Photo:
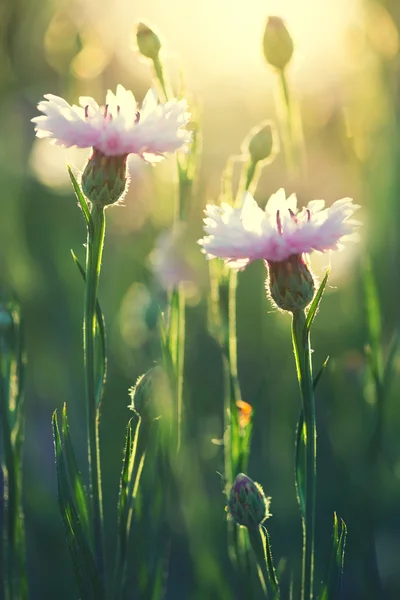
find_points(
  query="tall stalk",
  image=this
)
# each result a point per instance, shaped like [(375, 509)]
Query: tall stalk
[(94, 251), (302, 353)]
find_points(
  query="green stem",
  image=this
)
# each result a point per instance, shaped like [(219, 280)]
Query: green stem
[(287, 121), (180, 360), (232, 340), (158, 68), (302, 352), (2, 537), (94, 250), (260, 544), (11, 510)]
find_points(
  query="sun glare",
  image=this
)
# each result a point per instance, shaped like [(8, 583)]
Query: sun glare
[(224, 38)]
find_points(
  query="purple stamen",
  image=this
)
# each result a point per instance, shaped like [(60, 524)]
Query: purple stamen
[(87, 111), (137, 117), (106, 111), (308, 214), (279, 223)]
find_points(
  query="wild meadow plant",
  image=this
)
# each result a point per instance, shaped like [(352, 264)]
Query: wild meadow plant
[(238, 232), (13, 576), (114, 131)]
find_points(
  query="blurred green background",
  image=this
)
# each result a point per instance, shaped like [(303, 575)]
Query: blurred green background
[(345, 76)]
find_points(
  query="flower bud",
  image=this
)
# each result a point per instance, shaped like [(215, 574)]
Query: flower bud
[(291, 284), (247, 503), (148, 42), (104, 180), (261, 141), (151, 395), (277, 43), (245, 411)]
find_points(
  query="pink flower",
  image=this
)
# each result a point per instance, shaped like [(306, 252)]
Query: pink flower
[(118, 128), (241, 235)]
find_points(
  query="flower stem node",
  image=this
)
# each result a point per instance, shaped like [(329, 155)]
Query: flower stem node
[(277, 43), (247, 503), (104, 180), (291, 284), (148, 42)]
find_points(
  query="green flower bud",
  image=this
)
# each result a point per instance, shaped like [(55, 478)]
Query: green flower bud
[(261, 141), (151, 394), (291, 284), (277, 43), (247, 503), (148, 42), (105, 179)]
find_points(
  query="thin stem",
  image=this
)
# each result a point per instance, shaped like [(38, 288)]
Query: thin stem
[(302, 352), (2, 508), (159, 71), (181, 197), (180, 361), (259, 543), (10, 483), (94, 250), (286, 119)]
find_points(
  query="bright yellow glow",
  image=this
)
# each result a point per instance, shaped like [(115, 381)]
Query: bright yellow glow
[(220, 39)]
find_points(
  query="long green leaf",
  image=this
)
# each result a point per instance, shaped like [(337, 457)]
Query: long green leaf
[(299, 463), (331, 586), (82, 201), (300, 477), (2, 536), (103, 340), (86, 573), (12, 367), (270, 565), (374, 323), (125, 499), (259, 541), (392, 353), (165, 347), (318, 375), (312, 311), (78, 490)]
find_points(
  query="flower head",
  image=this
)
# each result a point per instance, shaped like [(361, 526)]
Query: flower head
[(241, 235), (247, 503), (118, 128), (277, 43), (148, 41)]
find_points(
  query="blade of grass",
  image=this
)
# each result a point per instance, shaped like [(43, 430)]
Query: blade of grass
[(78, 490), (82, 201), (312, 311), (331, 587), (86, 573)]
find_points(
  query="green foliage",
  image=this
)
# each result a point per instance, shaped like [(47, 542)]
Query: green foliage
[(312, 311), (331, 587), (78, 491), (13, 579), (82, 201), (86, 573), (101, 333)]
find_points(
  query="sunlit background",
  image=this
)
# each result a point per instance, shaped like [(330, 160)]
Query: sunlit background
[(345, 80)]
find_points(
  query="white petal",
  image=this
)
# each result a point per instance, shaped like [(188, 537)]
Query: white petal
[(149, 103), (276, 202)]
